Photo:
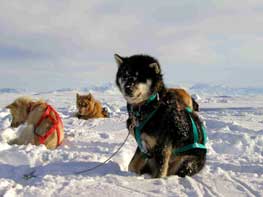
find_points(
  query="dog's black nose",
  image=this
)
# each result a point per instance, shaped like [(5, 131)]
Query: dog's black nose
[(128, 90)]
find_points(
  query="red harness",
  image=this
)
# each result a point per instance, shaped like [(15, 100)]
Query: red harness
[(56, 122)]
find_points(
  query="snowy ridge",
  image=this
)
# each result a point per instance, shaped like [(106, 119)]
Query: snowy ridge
[(103, 88), (220, 90), (234, 161), (9, 90), (201, 89)]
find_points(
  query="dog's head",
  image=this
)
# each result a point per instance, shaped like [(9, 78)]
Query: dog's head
[(19, 110), (138, 77), (84, 102)]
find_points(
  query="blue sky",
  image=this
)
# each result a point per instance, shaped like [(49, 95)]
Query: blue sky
[(49, 44)]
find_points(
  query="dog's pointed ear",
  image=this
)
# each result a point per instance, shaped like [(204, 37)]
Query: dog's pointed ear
[(10, 106), (156, 67), (77, 95), (118, 59), (89, 96)]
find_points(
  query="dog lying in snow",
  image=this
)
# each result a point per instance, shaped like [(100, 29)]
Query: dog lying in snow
[(170, 136), (43, 123), (88, 107)]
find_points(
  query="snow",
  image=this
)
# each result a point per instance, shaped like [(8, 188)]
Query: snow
[(234, 161)]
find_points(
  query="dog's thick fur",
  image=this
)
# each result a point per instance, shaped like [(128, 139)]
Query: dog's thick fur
[(21, 114), (170, 128), (89, 108), (185, 98)]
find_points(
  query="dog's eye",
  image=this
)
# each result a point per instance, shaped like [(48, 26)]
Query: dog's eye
[(126, 74)]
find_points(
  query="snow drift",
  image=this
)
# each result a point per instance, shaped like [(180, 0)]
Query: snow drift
[(234, 164)]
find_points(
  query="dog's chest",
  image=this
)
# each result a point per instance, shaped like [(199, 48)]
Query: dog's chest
[(142, 131)]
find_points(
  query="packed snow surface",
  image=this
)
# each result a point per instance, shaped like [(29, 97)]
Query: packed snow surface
[(234, 162)]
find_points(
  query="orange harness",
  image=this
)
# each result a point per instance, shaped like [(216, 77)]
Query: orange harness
[(56, 122)]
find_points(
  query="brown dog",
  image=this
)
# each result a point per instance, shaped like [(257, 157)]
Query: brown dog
[(88, 107), (43, 124)]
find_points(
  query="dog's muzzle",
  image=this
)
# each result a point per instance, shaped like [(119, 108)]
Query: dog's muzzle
[(128, 90)]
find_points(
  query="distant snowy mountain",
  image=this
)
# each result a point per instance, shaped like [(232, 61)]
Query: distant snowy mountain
[(9, 90), (198, 89), (109, 88), (219, 90), (105, 87)]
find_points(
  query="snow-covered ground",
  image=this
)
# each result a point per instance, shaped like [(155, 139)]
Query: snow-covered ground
[(234, 163)]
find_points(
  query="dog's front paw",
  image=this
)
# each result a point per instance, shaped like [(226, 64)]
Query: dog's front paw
[(159, 175), (77, 115), (12, 142), (131, 123), (133, 168)]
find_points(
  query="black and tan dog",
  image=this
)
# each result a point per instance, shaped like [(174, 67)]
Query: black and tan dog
[(170, 136)]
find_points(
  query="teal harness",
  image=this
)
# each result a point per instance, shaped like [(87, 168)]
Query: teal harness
[(196, 144), (139, 127)]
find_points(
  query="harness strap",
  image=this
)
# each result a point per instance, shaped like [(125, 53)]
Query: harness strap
[(188, 147), (151, 98), (189, 110), (55, 126), (138, 133), (195, 132), (137, 129)]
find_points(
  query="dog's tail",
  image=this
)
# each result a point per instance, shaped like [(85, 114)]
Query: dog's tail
[(195, 105), (105, 112)]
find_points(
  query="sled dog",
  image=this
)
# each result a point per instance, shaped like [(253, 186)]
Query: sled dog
[(43, 124), (169, 134)]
